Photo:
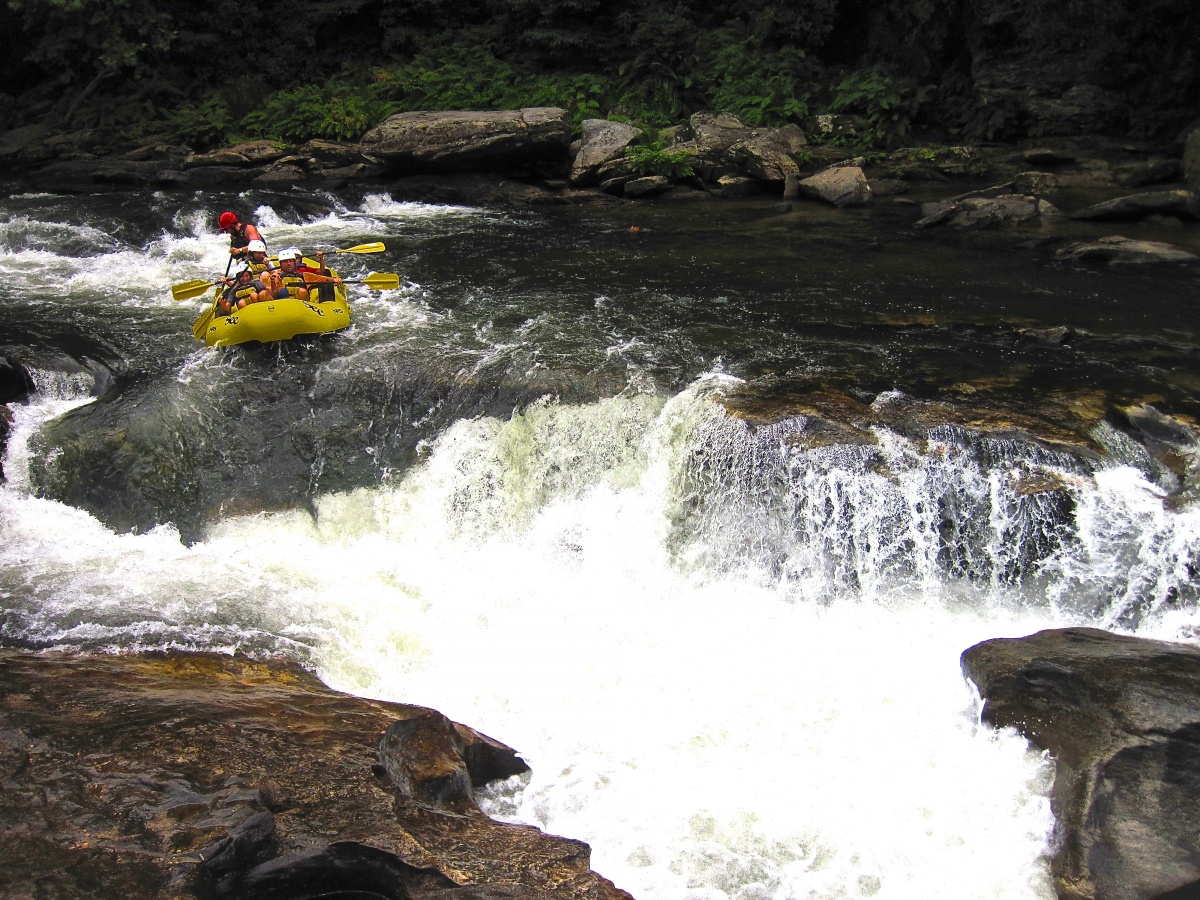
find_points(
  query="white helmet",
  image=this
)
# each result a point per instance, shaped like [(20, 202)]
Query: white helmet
[(290, 253), (256, 247), (238, 268)]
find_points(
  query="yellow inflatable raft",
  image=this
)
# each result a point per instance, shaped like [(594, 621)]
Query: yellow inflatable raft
[(275, 320)]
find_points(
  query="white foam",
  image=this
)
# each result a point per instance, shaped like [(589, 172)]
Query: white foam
[(711, 728)]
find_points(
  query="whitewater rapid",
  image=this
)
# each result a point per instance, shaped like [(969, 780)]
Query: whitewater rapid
[(731, 662)]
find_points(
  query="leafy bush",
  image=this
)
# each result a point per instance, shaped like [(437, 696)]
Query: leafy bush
[(337, 111), (653, 158), (463, 78), (887, 104), (203, 124), (759, 86)]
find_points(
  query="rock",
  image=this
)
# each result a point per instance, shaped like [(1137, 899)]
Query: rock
[(470, 141), (1121, 718), (172, 776), (974, 211), (715, 131), (602, 142), (979, 212), (736, 186), (722, 141), (331, 153), (222, 176), (1048, 156), (1036, 183), (844, 186), (767, 153), (1048, 212), (481, 188), (1181, 204), (89, 175), (889, 187), (171, 178), (1118, 250), (616, 184), (278, 176), (791, 187), (254, 153), (1191, 161), (647, 186), (1153, 171)]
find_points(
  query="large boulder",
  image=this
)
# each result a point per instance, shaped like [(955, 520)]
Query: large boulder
[(768, 154), (470, 140), (840, 185), (163, 777), (601, 143), (720, 142), (1121, 718)]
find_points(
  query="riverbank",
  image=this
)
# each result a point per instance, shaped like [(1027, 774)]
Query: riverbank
[(1051, 192)]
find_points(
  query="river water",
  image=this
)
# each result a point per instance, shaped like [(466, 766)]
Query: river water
[(698, 516)]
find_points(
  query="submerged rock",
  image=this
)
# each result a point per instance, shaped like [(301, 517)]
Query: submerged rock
[(1181, 204), (1121, 718), (1118, 250), (985, 212), (181, 775)]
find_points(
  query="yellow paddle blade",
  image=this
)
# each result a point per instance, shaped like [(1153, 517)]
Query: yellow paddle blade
[(382, 281), (201, 325), (189, 290), (376, 247)]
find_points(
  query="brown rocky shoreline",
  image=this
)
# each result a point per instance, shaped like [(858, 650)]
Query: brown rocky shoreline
[(192, 775), (1089, 198), (197, 775)]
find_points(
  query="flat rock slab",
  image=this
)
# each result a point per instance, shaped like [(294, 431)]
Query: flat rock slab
[(180, 775), (1181, 204), (1118, 250), (466, 140), (1121, 718)]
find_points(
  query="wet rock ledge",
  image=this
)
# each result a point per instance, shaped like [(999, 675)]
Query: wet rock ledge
[(1120, 716), (162, 776)]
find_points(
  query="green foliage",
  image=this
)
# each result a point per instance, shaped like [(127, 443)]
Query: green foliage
[(337, 111), (203, 124), (93, 36), (463, 78), (758, 85), (653, 158), (887, 105)]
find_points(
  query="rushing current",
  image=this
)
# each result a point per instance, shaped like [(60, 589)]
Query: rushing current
[(696, 505)]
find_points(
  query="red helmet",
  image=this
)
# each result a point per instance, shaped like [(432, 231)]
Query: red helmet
[(227, 220)]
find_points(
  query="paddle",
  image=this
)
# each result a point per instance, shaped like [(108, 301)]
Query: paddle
[(379, 281), (376, 247), (201, 325), (189, 290)]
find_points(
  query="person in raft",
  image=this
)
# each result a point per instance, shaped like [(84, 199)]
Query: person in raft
[(243, 288), (293, 277), (323, 278), (256, 258), (240, 233)]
